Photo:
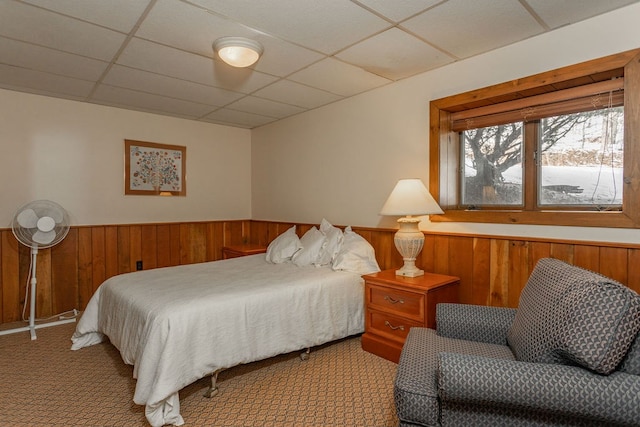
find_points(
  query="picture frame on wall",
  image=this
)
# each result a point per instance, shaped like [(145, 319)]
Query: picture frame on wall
[(153, 169)]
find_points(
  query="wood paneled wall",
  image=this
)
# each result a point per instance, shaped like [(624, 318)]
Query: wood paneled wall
[(70, 272), (493, 270)]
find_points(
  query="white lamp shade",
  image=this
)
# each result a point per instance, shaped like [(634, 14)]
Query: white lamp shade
[(238, 51), (410, 197)]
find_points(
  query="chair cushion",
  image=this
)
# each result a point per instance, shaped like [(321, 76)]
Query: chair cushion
[(416, 385), (569, 315)]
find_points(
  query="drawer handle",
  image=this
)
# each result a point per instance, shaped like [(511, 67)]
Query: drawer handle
[(393, 328), (393, 300)]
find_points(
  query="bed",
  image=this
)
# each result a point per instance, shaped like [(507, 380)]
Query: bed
[(176, 325)]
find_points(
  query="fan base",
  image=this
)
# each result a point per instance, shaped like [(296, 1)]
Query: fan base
[(33, 328)]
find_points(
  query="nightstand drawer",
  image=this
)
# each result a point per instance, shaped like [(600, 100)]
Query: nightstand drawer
[(409, 304), (392, 327)]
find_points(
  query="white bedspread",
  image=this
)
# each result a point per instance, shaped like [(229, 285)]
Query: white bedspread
[(178, 324)]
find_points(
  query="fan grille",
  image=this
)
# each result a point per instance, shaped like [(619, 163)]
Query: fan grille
[(40, 224)]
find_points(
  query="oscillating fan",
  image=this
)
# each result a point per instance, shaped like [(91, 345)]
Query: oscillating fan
[(39, 224)]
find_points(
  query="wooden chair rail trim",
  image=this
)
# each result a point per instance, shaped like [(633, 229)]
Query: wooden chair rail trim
[(137, 224), (477, 235), (357, 228)]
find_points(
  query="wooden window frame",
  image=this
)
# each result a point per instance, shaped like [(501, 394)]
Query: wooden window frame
[(444, 147)]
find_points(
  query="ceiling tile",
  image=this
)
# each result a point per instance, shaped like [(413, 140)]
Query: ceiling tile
[(57, 31), (296, 94), (111, 95), (44, 83), (481, 25), (399, 10), (394, 54), (326, 26), (157, 55), (160, 59), (144, 81), (237, 118), (337, 77), (281, 58), (563, 12), (38, 58), (194, 29), (265, 107), (119, 15)]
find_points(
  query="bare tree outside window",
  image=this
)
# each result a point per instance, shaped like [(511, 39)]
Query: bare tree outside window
[(489, 153), (578, 159), (582, 161)]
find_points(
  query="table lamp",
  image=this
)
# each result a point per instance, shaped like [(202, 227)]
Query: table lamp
[(409, 199)]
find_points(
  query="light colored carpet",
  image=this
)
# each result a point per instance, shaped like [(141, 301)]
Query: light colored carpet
[(44, 383)]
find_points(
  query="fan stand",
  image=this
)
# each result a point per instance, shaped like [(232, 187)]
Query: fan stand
[(32, 305)]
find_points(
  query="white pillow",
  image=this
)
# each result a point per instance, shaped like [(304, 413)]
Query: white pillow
[(355, 255), (283, 247), (312, 241), (332, 245)]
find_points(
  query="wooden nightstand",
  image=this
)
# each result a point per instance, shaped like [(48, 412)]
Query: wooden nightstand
[(235, 251), (396, 303)]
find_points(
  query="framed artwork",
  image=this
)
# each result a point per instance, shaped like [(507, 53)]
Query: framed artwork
[(154, 169)]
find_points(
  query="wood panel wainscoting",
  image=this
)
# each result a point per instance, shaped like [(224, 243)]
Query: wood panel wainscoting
[(492, 269), (70, 272)]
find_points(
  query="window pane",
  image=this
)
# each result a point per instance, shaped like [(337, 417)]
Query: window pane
[(582, 158), (492, 168)]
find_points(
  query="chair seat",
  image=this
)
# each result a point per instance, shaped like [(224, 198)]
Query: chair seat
[(416, 385)]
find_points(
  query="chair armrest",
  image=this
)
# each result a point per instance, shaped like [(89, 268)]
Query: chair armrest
[(569, 391), (474, 322)]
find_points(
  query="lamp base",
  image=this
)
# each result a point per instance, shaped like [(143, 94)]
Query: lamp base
[(409, 272), (409, 241)]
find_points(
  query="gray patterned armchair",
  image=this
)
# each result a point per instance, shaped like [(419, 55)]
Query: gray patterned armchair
[(569, 355)]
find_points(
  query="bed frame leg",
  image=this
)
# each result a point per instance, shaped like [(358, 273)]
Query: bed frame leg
[(213, 388), (305, 354)]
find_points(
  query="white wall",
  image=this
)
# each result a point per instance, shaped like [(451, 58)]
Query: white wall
[(73, 153), (342, 161)]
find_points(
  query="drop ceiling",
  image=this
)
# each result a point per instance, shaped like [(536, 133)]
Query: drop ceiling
[(156, 55)]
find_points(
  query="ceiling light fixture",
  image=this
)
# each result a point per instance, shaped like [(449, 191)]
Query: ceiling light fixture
[(238, 51)]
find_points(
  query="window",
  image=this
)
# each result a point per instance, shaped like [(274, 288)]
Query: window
[(492, 159), (577, 162), (581, 160), (556, 148)]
